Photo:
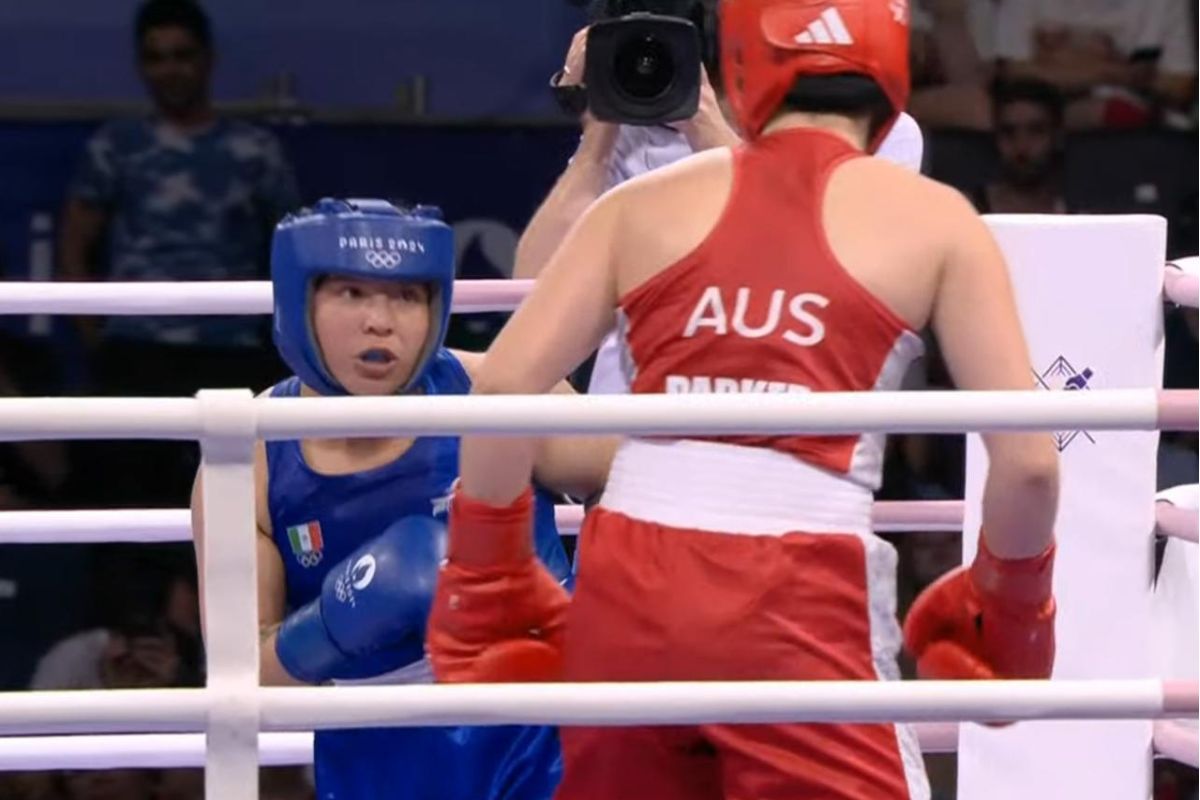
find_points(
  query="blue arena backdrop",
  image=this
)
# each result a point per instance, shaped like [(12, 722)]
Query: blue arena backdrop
[(488, 179), (474, 58)]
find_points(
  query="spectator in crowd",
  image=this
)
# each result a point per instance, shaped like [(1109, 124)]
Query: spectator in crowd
[(180, 195), (1121, 63), (1029, 141), (958, 48), (41, 597), (144, 644), (149, 636)]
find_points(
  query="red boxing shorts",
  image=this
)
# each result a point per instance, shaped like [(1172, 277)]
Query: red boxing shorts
[(657, 601)]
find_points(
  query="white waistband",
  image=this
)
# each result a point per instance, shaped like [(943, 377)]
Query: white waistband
[(729, 488)]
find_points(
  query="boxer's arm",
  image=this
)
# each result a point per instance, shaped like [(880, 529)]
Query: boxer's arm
[(575, 465), (572, 465), (269, 573), (584, 179), (271, 608), (561, 322), (977, 326)]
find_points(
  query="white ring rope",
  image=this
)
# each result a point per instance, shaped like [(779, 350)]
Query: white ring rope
[(1177, 522), (164, 298), (1173, 739), (650, 414), (175, 524), (666, 703), (163, 750), (1181, 281), (1178, 741), (233, 706), (130, 750)]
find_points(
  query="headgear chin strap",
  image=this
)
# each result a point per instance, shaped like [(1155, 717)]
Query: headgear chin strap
[(364, 239)]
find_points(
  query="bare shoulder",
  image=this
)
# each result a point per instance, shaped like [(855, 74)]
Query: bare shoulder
[(262, 508), (947, 199), (663, 215), (903, 200), (696, 169), (471, 362), (952, 216), (262, 511)]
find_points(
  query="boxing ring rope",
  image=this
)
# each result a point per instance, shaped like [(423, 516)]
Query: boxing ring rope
[(1177, 741), (1181, 281), (161, 750), (271, 418), (604, 704), (175, 524), (1172, 739), (191, 298), (234, 707), (114, 751)]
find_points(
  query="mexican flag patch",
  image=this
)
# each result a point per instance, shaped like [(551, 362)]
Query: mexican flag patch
[(306, 542)]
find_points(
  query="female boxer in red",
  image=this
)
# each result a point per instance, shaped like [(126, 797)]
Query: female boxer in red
[(791, 264)]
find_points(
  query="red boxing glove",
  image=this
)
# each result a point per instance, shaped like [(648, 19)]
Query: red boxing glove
[(497, 613), (994, 619)]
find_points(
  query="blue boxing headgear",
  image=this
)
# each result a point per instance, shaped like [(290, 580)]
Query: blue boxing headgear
[(364, 239)]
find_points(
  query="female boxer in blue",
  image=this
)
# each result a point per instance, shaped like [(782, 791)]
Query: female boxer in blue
[(352, 530)]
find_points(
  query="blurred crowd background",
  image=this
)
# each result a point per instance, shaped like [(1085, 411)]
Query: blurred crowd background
[(1053, 106)]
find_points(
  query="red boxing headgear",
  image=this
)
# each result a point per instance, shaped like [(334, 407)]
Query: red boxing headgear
[(766, 44)]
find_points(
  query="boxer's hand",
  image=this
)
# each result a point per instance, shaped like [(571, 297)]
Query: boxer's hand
[(994, 619), (372, 603), (497, 613)]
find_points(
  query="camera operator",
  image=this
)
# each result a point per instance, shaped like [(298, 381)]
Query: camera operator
[(610, 154)]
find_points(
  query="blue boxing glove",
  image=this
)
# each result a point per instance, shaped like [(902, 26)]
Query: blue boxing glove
[(377, 598)]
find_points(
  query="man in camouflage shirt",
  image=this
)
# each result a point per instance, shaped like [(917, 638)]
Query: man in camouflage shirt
[(180, 195)]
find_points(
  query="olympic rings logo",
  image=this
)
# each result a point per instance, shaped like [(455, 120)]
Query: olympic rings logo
[(309, 560), (382, 259)]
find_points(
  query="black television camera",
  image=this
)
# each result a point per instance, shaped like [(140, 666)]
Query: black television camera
[(644, 59)]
